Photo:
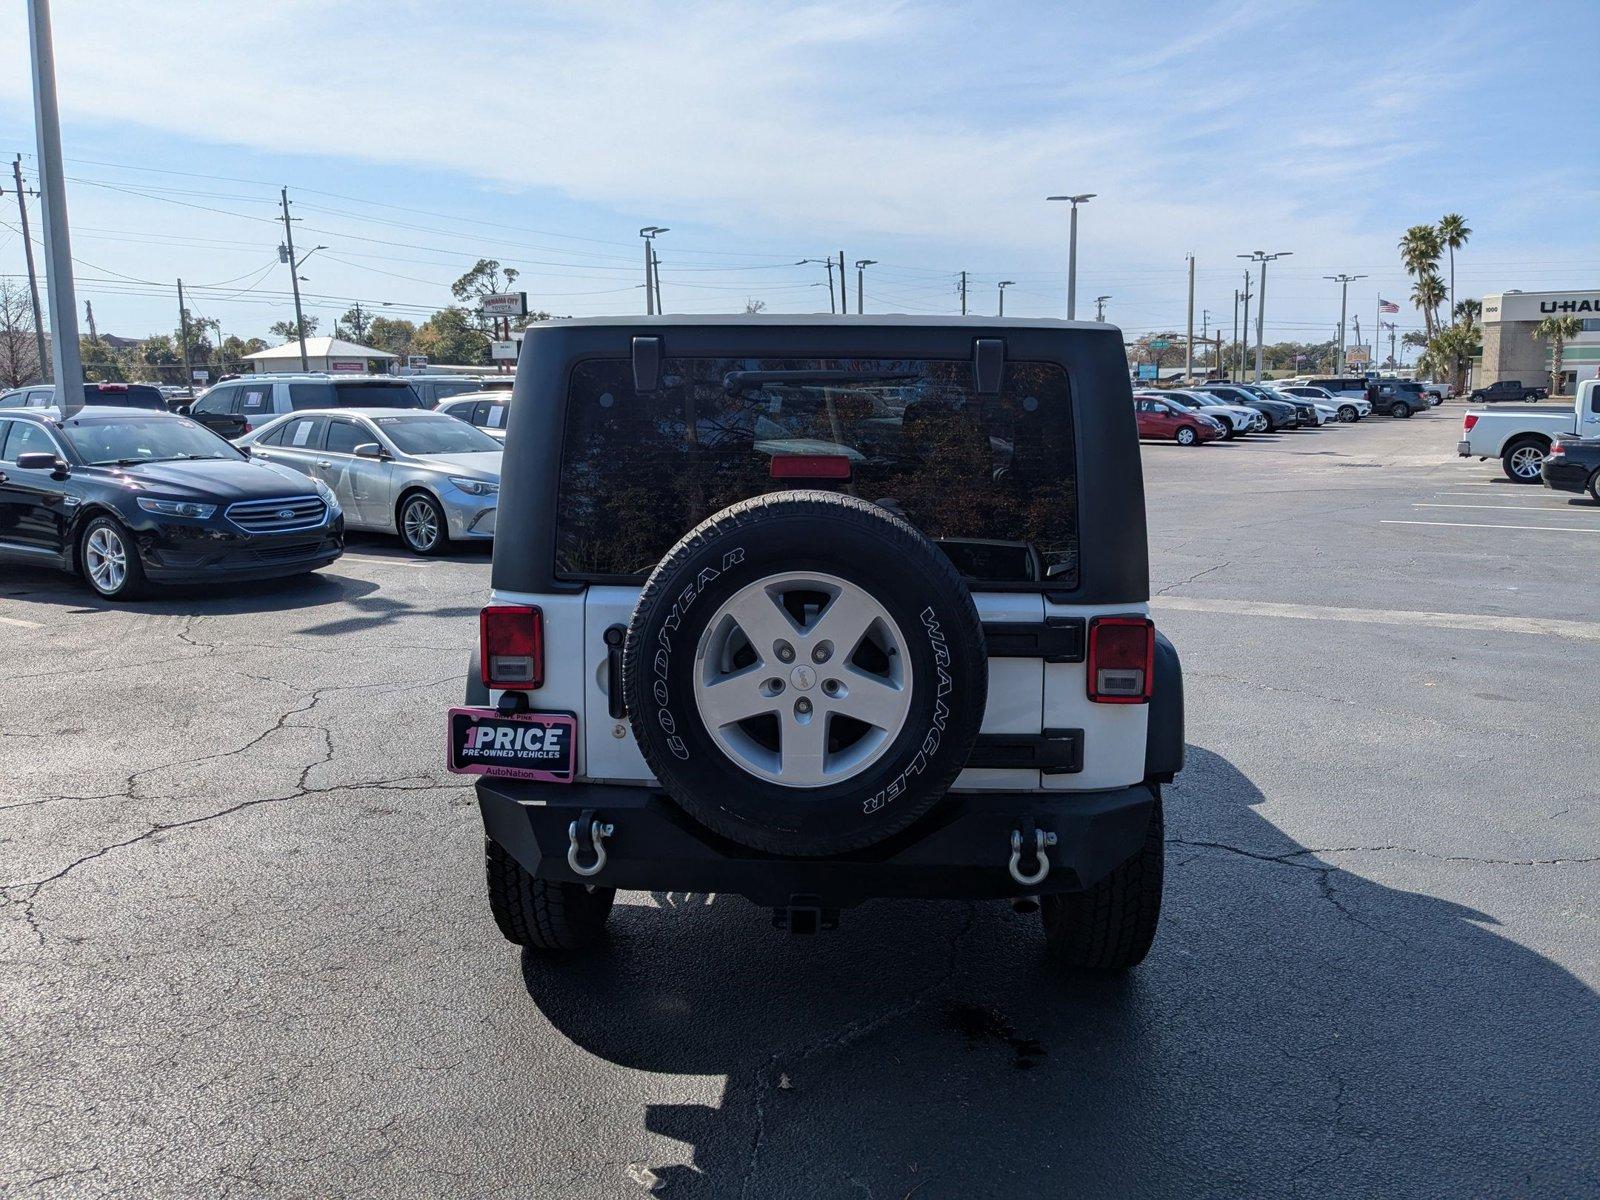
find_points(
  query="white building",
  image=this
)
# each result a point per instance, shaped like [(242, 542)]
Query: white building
[(323, 354), (1510, 350)]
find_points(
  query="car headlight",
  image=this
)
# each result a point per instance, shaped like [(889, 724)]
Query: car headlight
[(328, 497), (176, 508), (475, 487)]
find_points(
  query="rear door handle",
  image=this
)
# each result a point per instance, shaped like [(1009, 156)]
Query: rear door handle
[(322, 462)]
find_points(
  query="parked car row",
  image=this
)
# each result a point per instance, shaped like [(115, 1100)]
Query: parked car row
[(1210, 411)]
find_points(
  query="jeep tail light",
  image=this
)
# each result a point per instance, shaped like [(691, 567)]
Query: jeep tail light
[(1468, 421), (1121, 659), (511, 647)]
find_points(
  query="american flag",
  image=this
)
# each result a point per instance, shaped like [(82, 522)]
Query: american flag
[(1387, 305)]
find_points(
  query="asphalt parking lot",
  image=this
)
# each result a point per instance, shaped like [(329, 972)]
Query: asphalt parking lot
[(245, 950)]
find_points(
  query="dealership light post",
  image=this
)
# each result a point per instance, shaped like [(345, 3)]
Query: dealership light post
[(1072, 250), (1344, 282), (1262, 257), (64, 355), (1004, 284), (648, 233), (861, 273)]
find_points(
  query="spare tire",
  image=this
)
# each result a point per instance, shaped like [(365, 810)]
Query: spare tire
[(805, 673)]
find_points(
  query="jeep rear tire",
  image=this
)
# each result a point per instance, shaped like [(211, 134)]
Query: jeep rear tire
[(1111, 926), (542, 914), (805, 673)]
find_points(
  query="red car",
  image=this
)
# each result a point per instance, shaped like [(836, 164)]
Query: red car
[(1161, 420)]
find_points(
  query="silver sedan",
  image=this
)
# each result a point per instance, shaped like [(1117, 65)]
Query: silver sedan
[(423, 475)]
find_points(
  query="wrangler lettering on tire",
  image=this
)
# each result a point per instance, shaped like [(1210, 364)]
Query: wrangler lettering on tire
[(805, 673)]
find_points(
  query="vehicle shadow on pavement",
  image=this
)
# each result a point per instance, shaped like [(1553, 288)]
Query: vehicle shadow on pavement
[(1299, 1029), (209, 599), (365, 544)]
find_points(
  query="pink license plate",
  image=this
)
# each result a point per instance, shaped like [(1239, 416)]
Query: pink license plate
[(529, 745)]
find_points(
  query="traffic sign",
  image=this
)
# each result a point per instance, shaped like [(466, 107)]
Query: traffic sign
[(1160, 344)]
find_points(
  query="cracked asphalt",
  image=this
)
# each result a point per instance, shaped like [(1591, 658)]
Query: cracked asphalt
[(244, 949)]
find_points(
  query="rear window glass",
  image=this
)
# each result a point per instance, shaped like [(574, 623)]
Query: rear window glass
[(353, 395), (129, 396), (991, 479)]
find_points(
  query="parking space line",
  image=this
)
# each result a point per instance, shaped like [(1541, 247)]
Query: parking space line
[(1583, 631), (1564, 508), (1467, 525), (20, 623)]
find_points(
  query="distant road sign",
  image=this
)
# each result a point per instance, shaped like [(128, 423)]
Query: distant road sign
[(1147, 370), (416, 360), (506, 304), (503, 351), (1160, 344)]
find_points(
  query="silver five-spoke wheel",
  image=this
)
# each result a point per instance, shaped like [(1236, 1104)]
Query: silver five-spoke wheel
[(803, 679), (419, 524), (105, 557)]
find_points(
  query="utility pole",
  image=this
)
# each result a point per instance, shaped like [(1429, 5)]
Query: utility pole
[(963, 293), (294, 280), (33, 278), (1072, 250), (1235, 342), (833, 299), (1356, 317), (1205, 324), (183, 331), (1100, 307), (1188, 341), (655, 260), (861, 271), (1004, 284), (53, 197), (844, 287), (88, 315), (1344, 282), (1244, 329)]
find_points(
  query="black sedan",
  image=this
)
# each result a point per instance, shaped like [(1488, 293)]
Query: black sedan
[(1573, 465), (124, 496)]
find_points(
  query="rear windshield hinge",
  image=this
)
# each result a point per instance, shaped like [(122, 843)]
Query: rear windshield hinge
[(988, 365), (646, 363), (1055, 639)]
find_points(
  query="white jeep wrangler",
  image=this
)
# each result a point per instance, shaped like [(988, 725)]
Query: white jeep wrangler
[(817, 610)]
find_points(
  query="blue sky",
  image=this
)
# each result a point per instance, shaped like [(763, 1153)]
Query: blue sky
[(418, 137)]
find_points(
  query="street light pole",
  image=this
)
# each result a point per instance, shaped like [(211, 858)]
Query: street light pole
[(1244, 328), (53, 204), (1072, 250), (861, 271), (1344, 282), (1004, 284), (651, 285), (1262, 257), (294, 279)]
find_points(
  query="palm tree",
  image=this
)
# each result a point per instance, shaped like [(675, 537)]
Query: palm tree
[(1453, 234), (1420, 249), (1427, 294), (1556, 331), (1467, 312)]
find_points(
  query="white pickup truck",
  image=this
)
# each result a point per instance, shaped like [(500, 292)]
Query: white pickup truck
[(1521, 437)]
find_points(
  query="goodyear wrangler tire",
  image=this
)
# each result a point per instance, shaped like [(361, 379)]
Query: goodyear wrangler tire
[(805, 673)]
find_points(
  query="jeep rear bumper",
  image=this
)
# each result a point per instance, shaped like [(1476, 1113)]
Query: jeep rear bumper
[(958, 851)]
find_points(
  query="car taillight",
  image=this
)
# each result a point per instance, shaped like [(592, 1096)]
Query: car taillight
[(511, 647), (1468, 422), (1557, 450), (249, 428), (1121, 659), (809, 466)]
